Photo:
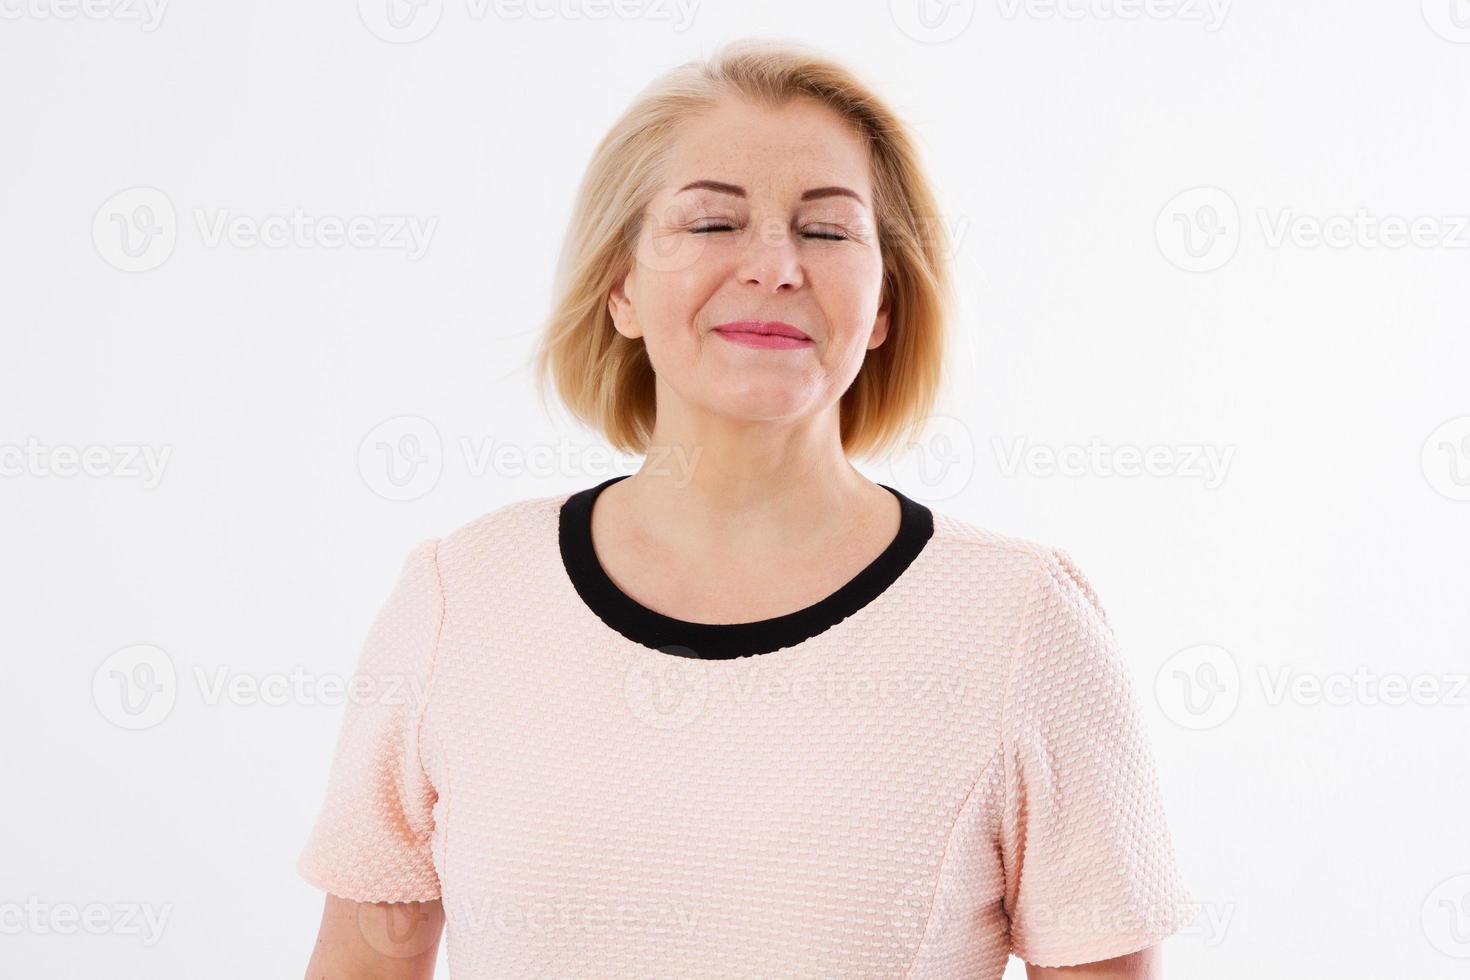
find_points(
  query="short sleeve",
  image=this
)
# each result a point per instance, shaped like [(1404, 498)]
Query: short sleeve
[(1090, 869), (371, 841)]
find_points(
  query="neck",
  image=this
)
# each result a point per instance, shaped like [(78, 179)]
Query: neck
[(716, 482)]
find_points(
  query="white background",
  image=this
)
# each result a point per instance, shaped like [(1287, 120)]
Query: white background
[(1099, 308)]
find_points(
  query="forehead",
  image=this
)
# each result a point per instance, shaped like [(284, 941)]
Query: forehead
[(803, 144)]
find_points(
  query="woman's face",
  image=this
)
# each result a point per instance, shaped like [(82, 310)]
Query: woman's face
[(766, 215)]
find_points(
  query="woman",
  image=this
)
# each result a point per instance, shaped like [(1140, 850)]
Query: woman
[(744, 713)]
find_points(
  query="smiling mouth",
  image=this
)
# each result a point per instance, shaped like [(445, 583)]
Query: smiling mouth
[(764, 334)]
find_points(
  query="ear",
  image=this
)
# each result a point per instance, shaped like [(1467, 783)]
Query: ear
[(880, 322), (621, 307)]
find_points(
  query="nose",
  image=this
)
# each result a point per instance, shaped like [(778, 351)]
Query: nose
[(770, 259)]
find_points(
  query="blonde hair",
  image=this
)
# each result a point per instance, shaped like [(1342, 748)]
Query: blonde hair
[(607, 381)]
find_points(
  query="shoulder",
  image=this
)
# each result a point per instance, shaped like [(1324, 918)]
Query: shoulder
[(509, 528), (1059, 634), (1025, 564), (508, 539)]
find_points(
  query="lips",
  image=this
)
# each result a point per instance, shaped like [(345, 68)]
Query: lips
[(763, 328)]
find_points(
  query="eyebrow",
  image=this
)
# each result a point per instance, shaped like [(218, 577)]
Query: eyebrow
[(814, 194)]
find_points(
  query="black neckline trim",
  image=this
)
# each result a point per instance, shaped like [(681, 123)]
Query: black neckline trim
[(726, 641)]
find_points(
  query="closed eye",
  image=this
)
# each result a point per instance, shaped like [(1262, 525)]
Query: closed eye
[(822, 235)]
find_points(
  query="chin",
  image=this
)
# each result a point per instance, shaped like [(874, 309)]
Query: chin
[(758, 403)]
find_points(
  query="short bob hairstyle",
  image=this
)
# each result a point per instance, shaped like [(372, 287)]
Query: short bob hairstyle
[(607, 380)]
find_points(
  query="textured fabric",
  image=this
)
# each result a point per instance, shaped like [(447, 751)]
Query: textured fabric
[(957, 771)]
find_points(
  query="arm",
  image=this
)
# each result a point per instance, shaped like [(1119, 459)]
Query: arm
[(376, 940), (371, 848), (1091, 876), (1146, 964)]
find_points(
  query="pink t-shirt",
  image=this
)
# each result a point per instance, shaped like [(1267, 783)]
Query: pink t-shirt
[(941, 764)]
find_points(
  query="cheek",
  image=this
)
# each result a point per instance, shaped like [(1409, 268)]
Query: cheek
[(672, 299), (670, 304), (671, 257), (673, 308), (849, 289)]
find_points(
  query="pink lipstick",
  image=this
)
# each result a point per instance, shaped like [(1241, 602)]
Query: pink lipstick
[(765, 334)]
